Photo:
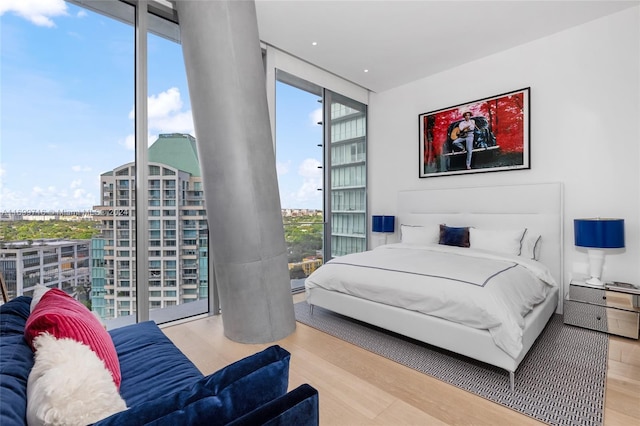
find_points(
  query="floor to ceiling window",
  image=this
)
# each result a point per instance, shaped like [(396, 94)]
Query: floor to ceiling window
[(69, 75), (321, 160), (178, 232), (299, 158), (73, 151), (67, 91)]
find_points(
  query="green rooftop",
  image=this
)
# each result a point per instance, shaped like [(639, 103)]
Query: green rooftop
[(176, 150)]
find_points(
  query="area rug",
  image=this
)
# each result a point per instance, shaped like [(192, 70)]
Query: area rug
[(561, 381)]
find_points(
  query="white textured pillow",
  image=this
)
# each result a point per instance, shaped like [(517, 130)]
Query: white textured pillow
[(531, 245), (69, 385), (38, 292), (420, 235), (500, 241)]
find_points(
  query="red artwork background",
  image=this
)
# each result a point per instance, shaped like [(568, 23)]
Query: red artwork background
[(505, 116)]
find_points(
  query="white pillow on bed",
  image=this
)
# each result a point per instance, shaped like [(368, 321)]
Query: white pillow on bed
[(420, 235), (531, 245), (500, 241)]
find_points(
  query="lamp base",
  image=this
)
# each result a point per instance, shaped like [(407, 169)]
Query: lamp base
[(596, 260), (595, 281)]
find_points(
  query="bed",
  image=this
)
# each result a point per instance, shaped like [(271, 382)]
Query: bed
[(381, 287)]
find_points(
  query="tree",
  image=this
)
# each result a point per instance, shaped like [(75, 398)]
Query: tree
[(29, 230)]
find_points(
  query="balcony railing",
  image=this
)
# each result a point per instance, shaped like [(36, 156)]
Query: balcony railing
[(304, 239)]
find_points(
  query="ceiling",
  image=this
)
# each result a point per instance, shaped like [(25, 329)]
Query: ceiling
[(401, 41)]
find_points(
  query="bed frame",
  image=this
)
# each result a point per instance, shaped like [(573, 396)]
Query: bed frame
[(538, 207)]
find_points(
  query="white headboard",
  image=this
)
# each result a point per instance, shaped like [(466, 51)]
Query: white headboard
[(537, 207)]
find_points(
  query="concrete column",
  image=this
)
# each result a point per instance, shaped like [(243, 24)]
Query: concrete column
[(226, 80)]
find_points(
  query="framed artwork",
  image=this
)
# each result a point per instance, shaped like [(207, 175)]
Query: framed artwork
[(486, 135)]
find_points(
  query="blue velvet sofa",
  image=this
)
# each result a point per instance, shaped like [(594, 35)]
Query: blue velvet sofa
[(161, 386)]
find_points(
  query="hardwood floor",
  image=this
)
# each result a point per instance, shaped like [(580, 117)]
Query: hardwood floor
[(357, 387)]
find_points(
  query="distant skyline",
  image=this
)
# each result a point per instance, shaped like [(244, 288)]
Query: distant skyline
[(66, 98)]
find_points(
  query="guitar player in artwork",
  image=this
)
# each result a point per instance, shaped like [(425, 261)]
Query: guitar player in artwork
[(463, 134)]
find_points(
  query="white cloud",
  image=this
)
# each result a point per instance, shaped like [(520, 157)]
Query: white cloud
[(12, 200), (316, 116), (180, 122), (309, 168), (312, 180), (309, 191), (129, 142), (3, 171), (51, 198), (38, 12), (302, 190), (165, 115), (164, 103)]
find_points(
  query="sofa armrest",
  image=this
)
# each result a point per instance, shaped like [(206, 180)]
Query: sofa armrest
[(298, 407)]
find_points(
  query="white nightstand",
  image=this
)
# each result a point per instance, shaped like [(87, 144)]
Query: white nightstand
[(612, 309)]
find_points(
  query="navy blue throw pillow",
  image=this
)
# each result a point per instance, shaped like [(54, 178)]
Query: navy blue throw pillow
[(454, 236)]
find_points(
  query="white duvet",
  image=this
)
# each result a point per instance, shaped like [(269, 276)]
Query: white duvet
[(476, 288)]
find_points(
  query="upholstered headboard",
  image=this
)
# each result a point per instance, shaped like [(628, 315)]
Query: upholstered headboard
[(537, 207)]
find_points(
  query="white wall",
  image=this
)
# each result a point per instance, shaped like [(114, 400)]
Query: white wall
[(585, 121)]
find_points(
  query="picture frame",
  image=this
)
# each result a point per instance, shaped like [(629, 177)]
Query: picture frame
[(499, 136)]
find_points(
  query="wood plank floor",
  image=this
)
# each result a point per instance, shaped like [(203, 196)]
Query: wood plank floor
[(357, 387)]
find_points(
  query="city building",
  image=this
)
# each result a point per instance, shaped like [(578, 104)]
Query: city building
[(348, 179), (178, 235), (56, 263)]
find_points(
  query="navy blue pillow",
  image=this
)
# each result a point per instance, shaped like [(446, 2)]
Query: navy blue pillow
[(218, 398), (452, 236)]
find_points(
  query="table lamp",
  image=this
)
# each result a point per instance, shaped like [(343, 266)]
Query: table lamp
[(598, 234), (386, 224)]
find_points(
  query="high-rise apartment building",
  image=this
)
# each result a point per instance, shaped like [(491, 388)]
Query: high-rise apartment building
[(55, 263), (348, 180), (178, 234)]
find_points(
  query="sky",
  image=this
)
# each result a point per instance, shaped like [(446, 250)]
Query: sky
[(66, 109)]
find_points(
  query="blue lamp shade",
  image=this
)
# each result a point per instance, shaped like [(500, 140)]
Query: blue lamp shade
[(384, 223), (599, 233)]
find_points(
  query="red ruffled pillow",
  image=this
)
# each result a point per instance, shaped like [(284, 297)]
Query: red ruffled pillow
[(62, 316)]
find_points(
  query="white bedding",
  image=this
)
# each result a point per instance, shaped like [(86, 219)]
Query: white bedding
[(476, 288)]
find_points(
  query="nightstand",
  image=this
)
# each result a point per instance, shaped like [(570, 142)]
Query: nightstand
[(612, 309)]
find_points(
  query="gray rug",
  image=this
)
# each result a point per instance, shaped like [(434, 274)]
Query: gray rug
[(560, 382)]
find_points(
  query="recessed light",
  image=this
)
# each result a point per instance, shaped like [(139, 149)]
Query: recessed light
[(366, 70), (315, 43)]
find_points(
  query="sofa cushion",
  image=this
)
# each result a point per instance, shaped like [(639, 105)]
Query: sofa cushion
[(16, 360), (62, 316), (151, 364), (218, 398)]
